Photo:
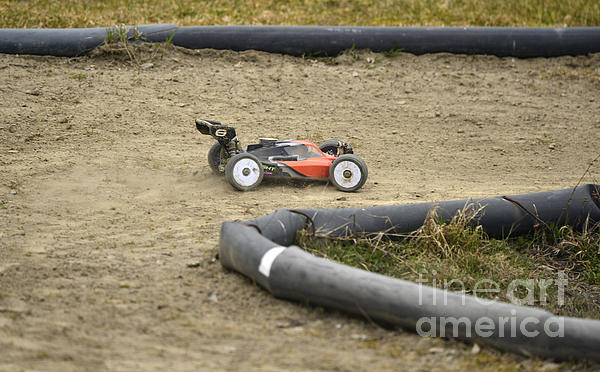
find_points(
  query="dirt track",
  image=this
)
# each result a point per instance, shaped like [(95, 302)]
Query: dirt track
[(110, 216)]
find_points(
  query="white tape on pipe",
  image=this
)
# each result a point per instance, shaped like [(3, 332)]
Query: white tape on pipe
[(267, 260)]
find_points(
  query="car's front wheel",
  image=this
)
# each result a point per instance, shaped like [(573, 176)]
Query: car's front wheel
[(244, 171), (348, 173), (330, 147)]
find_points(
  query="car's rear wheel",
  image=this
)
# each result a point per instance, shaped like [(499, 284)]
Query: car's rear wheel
[(244, 171), (216, 159), (348, 173)]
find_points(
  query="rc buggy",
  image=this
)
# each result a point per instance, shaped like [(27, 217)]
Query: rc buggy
[(245, 169)]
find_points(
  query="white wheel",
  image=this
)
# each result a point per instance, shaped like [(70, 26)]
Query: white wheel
[(348, 173), (244, 171)]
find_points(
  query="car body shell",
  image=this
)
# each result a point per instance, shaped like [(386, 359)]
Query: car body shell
[(292, 158)]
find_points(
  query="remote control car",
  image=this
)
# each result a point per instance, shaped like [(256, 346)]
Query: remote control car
[(244, 169)]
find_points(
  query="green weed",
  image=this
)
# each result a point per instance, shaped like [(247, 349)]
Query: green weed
[(79, 76), (458, 255)]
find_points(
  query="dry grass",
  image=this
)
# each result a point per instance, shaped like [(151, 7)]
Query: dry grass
[(73, 13), (460, 250)]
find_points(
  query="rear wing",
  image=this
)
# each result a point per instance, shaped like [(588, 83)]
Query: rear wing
[(214, 128)]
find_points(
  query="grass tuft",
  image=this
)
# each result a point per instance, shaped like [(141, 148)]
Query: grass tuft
[(458, 255), (123, 43)]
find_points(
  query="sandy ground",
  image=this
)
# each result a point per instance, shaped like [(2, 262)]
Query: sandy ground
[(110, 216)]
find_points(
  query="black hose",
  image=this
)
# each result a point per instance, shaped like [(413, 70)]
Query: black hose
[(323, 40), (71, 42), (330, 41), (290, 273)]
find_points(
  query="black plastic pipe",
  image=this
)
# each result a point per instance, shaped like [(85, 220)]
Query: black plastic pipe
[(500, 217), (323, 40), (330, 41), (258, 249), (71, 42)]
